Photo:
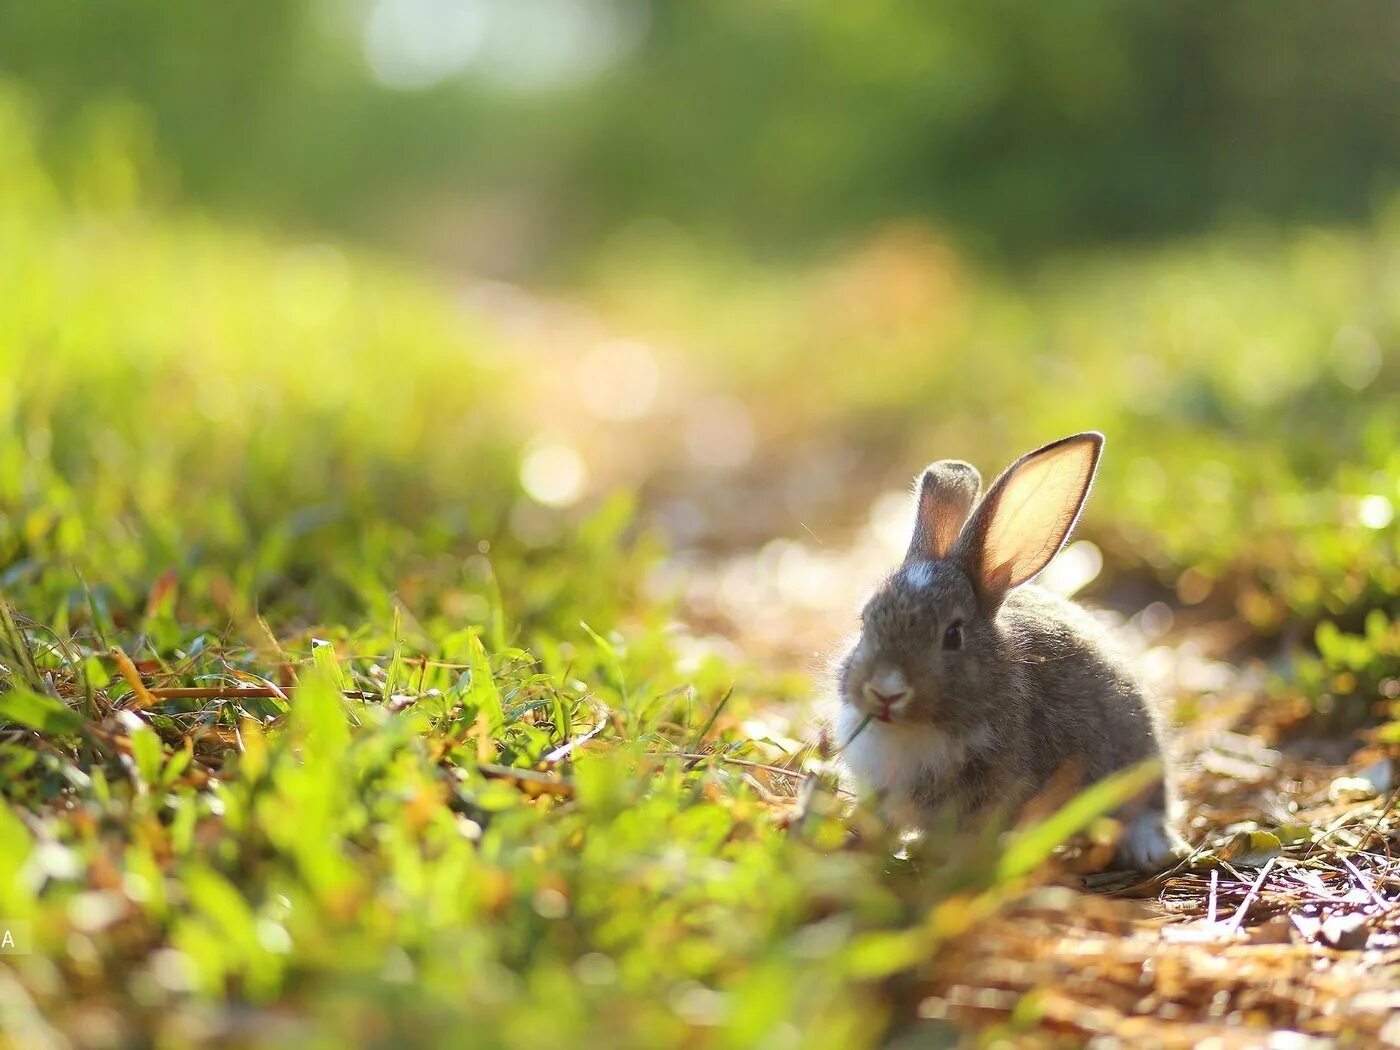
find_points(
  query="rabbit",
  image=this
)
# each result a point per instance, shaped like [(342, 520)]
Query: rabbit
[(986, 690)]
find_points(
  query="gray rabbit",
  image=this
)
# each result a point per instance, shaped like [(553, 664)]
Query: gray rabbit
[(986, 693)]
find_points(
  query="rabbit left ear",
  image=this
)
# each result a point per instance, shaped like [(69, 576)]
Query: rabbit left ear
[(947, 491), (1027, 515)]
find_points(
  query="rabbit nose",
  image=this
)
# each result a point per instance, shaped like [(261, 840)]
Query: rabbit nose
[(885, 691), (887, 699)]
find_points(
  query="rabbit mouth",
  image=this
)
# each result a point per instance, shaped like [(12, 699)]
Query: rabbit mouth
[(886, 701)]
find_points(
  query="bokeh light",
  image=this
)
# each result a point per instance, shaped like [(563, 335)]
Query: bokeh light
[(553, 474)]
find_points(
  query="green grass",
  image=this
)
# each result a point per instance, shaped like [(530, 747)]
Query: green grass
[(1353, 679), (375, 875), (463, 817)]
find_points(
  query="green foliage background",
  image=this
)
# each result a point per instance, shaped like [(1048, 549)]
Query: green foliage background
[(767, 126)]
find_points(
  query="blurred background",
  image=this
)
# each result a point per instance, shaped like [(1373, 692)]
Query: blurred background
[(278, 264), (520, 139)]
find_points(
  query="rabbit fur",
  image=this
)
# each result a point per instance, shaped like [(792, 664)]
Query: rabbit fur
[(986, 691)]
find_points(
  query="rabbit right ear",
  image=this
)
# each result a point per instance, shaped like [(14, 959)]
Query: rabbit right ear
[(947, 491), (1028, 514)]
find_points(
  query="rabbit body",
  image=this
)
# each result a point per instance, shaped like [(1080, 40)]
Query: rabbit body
[(986, 693)]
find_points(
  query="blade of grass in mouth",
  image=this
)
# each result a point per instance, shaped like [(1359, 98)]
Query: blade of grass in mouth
[(858, 730)]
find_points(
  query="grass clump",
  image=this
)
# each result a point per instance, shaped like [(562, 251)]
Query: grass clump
[(468, 844)]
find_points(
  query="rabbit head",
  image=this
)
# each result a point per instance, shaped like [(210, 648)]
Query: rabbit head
[(930, 651)]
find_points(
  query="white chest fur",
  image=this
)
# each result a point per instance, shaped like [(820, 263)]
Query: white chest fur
[(892, 759)]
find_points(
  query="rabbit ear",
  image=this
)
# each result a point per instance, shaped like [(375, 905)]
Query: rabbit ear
[(1027, 515), (947, 491)]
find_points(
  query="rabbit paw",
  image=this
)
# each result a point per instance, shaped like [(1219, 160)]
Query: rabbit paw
[(1149, 843)]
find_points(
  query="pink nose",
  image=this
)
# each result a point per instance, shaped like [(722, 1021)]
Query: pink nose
[(883, 699)]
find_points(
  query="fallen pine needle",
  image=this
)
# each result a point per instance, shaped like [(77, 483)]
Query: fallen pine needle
[(542, 782), (238, 692), (144, 697), (564, 749), (1249, 898)]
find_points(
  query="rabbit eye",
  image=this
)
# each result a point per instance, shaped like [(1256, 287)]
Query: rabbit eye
[(952, 637)]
